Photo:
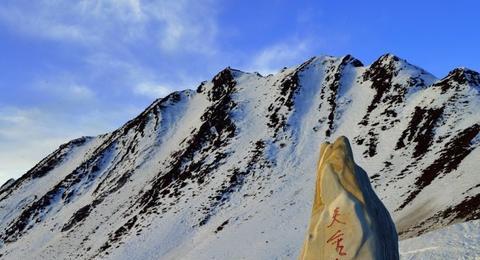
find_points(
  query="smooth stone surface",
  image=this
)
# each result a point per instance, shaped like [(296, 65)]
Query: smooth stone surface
[(348, 220)]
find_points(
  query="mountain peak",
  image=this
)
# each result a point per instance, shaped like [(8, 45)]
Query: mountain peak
[(389, 57), (223, 83), (352, 60), (229, 70), (387, 63), (464, 75)]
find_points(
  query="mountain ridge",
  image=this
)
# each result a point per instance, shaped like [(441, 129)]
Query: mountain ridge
[(223, 149)]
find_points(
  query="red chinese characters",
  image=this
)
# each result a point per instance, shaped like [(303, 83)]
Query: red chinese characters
[(337, 238), (336, 213)]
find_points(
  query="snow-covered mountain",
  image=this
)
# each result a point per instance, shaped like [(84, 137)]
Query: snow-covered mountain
[(228, 170)]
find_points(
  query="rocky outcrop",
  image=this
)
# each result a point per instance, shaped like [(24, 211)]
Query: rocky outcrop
[(348, 220)]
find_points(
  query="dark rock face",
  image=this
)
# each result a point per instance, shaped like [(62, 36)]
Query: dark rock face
[(7, 184), (389, 95), (182, 167), (77, 217), (84, 175), (333, 84), (380, 73), (288, 87), (459, 76), (256, 162), (450, 157), (189, 164), (420, 130)]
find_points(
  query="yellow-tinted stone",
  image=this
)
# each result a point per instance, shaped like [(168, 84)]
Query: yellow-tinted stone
[(348, 220)]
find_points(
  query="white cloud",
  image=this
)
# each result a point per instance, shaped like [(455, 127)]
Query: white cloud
[(63, 87), (37, 22), (113, 38), (28, 135), (188, 25), (105, 37), (272, 58), (150, 89), (181, 25), (138, 79), (81, 91)]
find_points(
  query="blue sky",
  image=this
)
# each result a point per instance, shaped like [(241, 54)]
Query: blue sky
[(74, 68)]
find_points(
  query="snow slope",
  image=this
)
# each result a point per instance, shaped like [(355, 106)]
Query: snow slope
[(228, 170), (458, 241)]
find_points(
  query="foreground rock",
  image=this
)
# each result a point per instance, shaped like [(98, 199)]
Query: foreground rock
[(348, 220)]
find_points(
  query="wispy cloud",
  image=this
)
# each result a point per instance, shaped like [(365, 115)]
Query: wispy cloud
[(94, 63), (29, 134), (136, 77), (182, 25), (151, 89), (64, 88), (272, 58), (188, 25), (35, 19)]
